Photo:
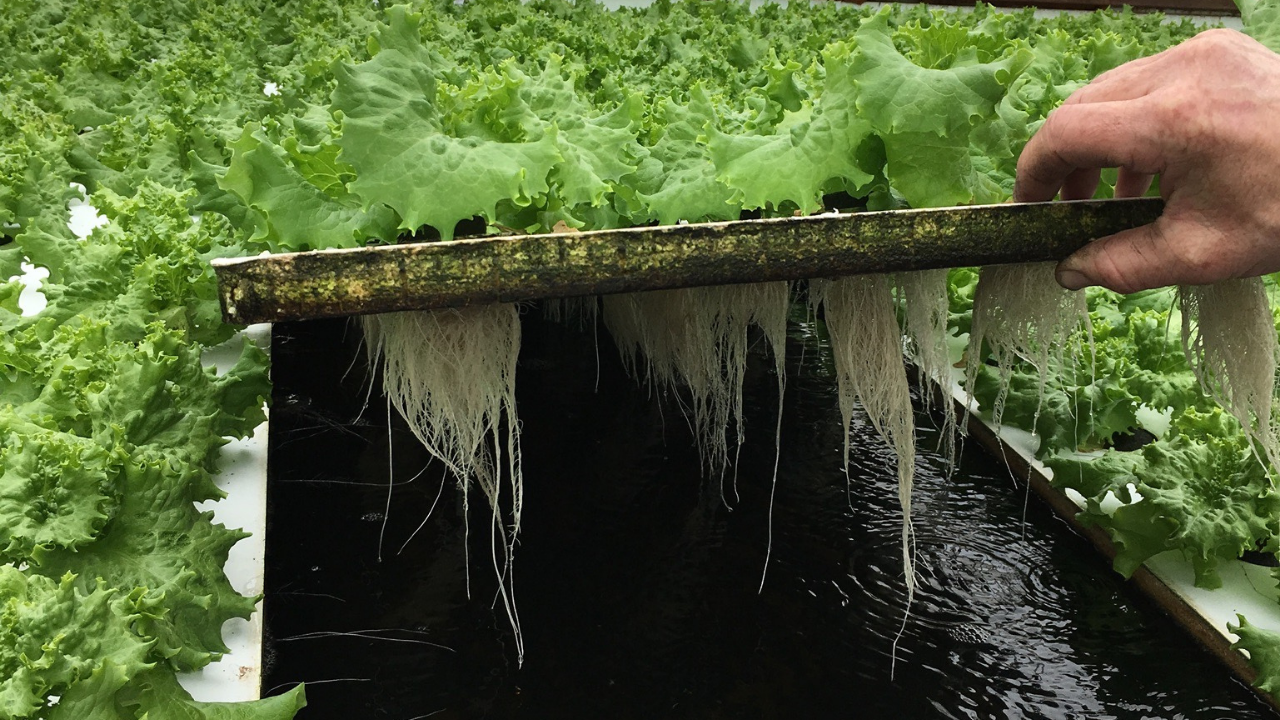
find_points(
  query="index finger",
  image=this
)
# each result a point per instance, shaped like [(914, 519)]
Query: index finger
[(1085, 136)]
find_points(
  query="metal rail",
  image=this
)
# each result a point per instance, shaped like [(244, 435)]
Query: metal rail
[(419, 276)]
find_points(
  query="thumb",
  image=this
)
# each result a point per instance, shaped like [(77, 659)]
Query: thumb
[(1133, 260)]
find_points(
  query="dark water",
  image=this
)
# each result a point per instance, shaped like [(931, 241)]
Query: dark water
[(637, 588)]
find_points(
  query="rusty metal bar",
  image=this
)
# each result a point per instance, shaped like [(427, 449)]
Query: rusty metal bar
[(420, 276)]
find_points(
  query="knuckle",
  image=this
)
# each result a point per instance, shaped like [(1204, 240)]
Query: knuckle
[(1223, 52), (1220, 36), (1210, 42), (1051, 121), (1182, 110), (1191, 126), (1036, 161), (1053, 134)]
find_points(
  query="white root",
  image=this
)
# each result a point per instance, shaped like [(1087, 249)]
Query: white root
[(697, 338), (1229, 337), (451, 374), (866, 345), (927, 309), (579, 312), (1021, 312)]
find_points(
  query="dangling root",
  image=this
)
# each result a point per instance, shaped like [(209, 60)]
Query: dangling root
[(697, 338), (925, 294), (575, 311), (1230, 342), (1022, 313), (866, 345), (451, 374), (770, 315)]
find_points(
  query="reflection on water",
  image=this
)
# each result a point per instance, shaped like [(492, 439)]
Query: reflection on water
[(637, 586)]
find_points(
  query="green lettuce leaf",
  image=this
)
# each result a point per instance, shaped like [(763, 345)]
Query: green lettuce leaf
[(1263, 647), (301, 196), (158, 696), (159, 542), (127, 511), (811, 147), (1261, 20), (925, 115), (394, 136), (56, 489), (54, 632), (682, 181)]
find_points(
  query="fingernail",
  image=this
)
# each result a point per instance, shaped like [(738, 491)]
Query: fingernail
[(1072, 279)]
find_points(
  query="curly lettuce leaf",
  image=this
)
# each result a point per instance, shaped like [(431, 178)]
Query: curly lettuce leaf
[(56, 489), (925, 115), (1263, 647), (810, 148), (1207, 490), (159, 542), (682, 181), (158, 696), (301, 197), (158, 417), (597, 148), (55, 632), (394, 136), (1261, 20)]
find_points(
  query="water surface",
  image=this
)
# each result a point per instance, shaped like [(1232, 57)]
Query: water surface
[(637, 584)]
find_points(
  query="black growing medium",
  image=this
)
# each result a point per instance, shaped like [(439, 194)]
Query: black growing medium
[(637, 586)]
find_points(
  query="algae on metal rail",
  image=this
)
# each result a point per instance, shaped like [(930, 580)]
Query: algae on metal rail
[(420, 276)]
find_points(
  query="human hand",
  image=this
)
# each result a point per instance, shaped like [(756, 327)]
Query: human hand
[(1205, 117)]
